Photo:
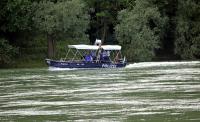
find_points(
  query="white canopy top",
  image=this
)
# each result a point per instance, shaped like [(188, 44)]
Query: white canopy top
[(94, 47)]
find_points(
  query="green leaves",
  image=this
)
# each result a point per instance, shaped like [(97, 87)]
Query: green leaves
[(67, 17), (104, 19), (139, 30), (187, 43), (62, 20), (16, 15), (7, 52)]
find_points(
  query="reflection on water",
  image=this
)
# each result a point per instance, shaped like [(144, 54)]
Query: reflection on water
[(153, 91)]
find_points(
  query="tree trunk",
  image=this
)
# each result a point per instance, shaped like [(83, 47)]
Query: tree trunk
[(51, 46), (104, 32)]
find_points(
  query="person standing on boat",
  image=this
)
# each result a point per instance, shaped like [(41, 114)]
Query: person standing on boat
[(99, 51)]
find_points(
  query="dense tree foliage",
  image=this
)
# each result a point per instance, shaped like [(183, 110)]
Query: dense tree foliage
[(140, 30), (187, 43), (15, 15), (7, 52), (145, 28), (67, 19), (103, 19)]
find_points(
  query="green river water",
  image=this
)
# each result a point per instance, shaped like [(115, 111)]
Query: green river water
[(141, 92)]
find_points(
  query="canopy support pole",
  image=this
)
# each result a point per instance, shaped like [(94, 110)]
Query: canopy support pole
[(80, 54), (67, 54), (75, 55)]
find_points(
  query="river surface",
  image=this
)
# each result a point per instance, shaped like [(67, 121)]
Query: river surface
[(141, 92)]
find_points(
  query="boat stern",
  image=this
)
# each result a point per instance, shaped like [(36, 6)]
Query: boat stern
[(48, 62)]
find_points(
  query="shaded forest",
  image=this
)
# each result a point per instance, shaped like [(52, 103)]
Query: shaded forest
[(32, 30)]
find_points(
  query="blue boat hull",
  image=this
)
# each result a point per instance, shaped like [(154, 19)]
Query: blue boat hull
[(83, 64)]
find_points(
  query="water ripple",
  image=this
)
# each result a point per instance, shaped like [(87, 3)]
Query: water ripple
[(148, 91)]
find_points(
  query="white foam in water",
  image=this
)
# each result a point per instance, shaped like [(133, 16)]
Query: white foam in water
[(60, 69), (158, 64)]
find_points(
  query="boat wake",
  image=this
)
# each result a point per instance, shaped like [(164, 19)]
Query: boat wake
[(60, 69), (160, 64)]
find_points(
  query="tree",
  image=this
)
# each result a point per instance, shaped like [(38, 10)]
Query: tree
[(16, 20), (104, 18), (7, 52), (187, 43), (15, 15), (61, 18), (139, 30), (168, 9)]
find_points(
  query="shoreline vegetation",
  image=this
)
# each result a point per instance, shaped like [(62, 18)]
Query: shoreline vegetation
[(147, 30)]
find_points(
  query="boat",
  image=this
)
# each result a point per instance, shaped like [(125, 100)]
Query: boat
[(90, 56)]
